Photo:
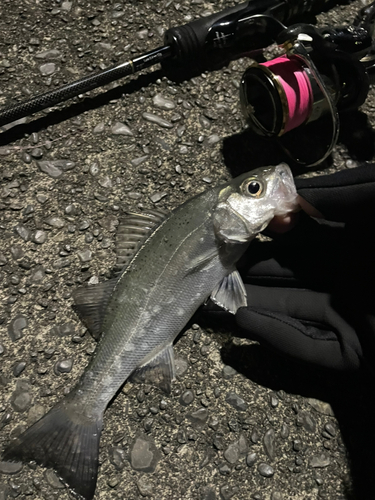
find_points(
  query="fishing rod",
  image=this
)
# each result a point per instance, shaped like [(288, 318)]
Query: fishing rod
[(212, 40)]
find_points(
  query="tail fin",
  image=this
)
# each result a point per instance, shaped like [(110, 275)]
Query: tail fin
[(66, 441)]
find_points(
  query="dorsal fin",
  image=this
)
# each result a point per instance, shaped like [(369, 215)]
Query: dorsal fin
[(132, 232)]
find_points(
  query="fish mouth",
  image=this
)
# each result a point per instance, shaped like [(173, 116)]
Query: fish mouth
[(283, 190)]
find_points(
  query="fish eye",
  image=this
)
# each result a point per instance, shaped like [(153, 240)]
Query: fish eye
[(253, 188)]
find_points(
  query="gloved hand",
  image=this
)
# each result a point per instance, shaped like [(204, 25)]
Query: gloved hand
[(311, 291)]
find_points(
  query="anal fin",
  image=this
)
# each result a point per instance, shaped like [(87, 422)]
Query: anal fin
[(230, 293), (158, 371)]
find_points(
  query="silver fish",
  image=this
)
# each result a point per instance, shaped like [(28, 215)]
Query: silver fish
[(168, 266)]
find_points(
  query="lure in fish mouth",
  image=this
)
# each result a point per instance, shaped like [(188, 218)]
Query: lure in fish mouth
[(167, 266)]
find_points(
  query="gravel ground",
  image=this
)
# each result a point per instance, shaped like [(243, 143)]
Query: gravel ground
[(240, 423)]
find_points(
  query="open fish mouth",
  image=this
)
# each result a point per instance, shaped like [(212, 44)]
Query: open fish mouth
[(283, 190)]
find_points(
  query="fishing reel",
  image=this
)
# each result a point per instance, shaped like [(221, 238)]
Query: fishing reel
[(296, 98)]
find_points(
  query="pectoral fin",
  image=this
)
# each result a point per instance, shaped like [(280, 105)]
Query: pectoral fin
[(230, 293), (158, 371), (90, 304)]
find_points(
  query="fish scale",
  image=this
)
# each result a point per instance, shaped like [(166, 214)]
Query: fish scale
[(167, 266)]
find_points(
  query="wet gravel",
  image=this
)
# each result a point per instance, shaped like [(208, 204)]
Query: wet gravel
[(240, 422)]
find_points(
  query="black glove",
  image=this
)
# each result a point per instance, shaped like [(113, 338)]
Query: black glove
[(311, 290)]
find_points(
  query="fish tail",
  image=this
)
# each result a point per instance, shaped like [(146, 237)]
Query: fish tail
[(66, 441)]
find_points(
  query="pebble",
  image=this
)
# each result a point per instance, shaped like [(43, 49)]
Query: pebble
[(35, 413), (265, 470), (1, 349), (159, 120), (42, 198), (269, 444), (161, 102), (99, 128), (18, 368), (320, 461), (158, 196), (63, 366), (85, 255), (23, 232), (207, 493), (136, 162), (276, 495), (37, 153), (10, 467), (232, 453), (321, 406), (55, 168), (251, 459), (229, 372), (186, 398), (212, 139), (47, 69), (63, 329), (53, 480), (181, 366), (3, 259), (330, 429), (121, 129), (227, 492), (236, 401), (200, 416), (20, 401), (16, 326), (117, 457), (284, 432), (49, 54), (144, 455), (55, 222), (145, 487), (106, 182), (40, 237)]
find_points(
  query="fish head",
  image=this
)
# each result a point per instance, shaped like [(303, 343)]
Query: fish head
[(249, 202)]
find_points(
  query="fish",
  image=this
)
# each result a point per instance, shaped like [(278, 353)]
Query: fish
[(168, 265)]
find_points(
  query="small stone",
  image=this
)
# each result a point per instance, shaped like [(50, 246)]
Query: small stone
[(1, 349), (251, 459), (144, 455), (23, 231), (186, 398), (158, 196), (121, 129), (319, 461), (145, 487), (212, 139), (136, 162), (41, 198), (284, 432), (157, 119), (20, 401), (18, 368), (55, 222), (229, 372), (16, 326), (47, 69), (3, 259), (85, 255), (117, 457), (330, 429), (200, 416), (308, 422), (35, 413), (321, 406), (99, 128), (276, 495), (227, 492), (49, 54), (40, 237), (269, 443), (236, 401), (94, 169), (53, 480), (232, 453), (265, 470), (63, 366), (224, 469), (37, 153), (55, 168), (181, 366), (161, 102), (106, 182), (10, 468)]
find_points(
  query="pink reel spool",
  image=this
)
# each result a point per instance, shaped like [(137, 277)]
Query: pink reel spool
[(295, 86)]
